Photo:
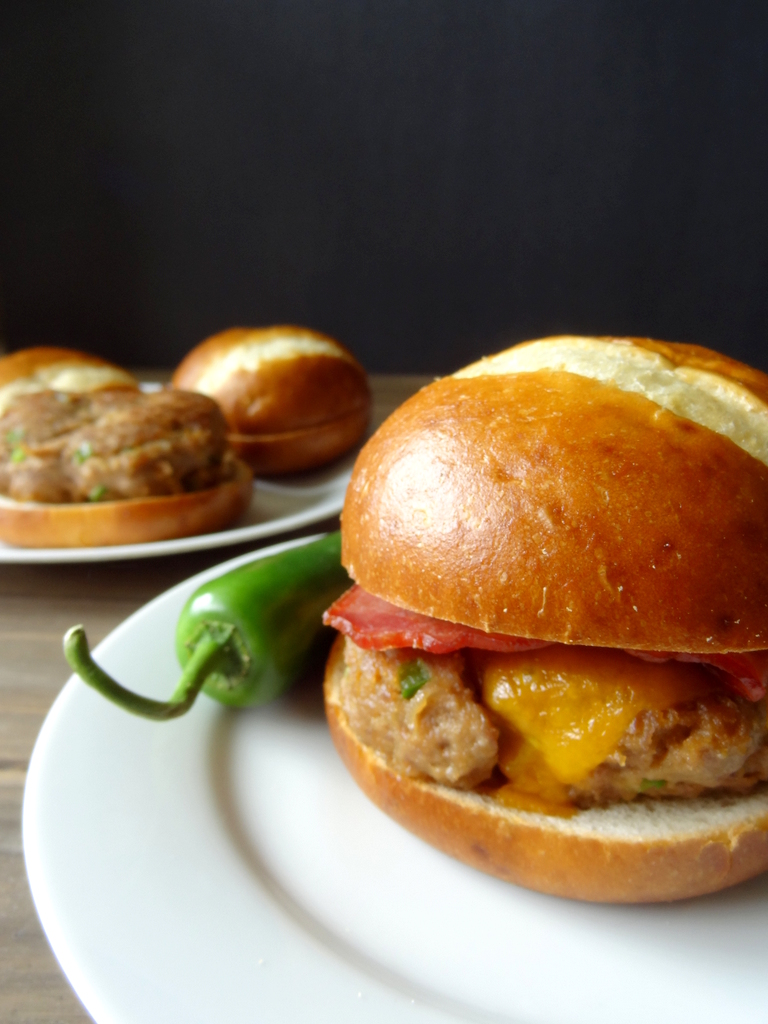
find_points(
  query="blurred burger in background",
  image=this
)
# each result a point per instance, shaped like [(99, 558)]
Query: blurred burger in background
[(88, 459), (293, 399)]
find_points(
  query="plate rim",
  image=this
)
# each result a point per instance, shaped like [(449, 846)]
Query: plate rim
[(424, 1007), (324, 506)]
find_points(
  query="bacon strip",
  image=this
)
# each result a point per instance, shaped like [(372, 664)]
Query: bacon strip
[(745, 674), (378, 625)]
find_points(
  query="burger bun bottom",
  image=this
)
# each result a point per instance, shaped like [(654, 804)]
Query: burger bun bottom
[(294, 451), (646, 851), (129, 521)]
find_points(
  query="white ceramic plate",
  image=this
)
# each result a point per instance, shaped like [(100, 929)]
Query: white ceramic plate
[(276, 507), (224, 868)]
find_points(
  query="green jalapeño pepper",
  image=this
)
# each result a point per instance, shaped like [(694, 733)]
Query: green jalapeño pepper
[(243, 638)]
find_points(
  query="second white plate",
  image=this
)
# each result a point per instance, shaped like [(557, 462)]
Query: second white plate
[(224, 867), (276, 507)]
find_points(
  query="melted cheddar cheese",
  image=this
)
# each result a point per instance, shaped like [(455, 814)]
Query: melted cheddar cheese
[(563, 711)]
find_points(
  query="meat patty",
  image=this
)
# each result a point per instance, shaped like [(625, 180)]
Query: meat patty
[(104, 445), (718, 742), (441, 732)]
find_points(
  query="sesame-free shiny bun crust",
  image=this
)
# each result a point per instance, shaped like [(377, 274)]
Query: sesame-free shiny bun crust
[(547, 504), (293, 451), (641, 852), (59, 369), (28, 362), (293, 398)]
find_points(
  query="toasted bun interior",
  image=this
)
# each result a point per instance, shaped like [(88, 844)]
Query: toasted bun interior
[(551, 503), (643, 851)]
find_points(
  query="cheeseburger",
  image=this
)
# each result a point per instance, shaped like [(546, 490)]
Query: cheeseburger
[(553, 663)]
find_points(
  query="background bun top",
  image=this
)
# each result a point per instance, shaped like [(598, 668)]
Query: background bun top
[(277, 379), (58, 369), (545, 501)]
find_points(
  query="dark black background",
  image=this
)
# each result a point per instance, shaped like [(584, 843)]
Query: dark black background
[(424, 180)]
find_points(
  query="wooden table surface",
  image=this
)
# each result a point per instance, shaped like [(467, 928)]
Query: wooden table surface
[(37, 604)]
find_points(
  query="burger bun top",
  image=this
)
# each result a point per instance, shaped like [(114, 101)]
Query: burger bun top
[(608, 492), (47, 367)]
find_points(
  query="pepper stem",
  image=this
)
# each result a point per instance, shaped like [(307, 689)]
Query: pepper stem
[(193, 678)]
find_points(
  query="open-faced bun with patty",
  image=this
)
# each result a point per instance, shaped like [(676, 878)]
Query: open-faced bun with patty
[(555, 658), (46, 367), (116, 466), (293, 399)]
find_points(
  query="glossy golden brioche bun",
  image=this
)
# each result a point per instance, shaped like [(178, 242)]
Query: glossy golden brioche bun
[(701, 358), (295, 450), (549, 504), (61, 369), (128, 521), (641, 852), (292, 398)]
